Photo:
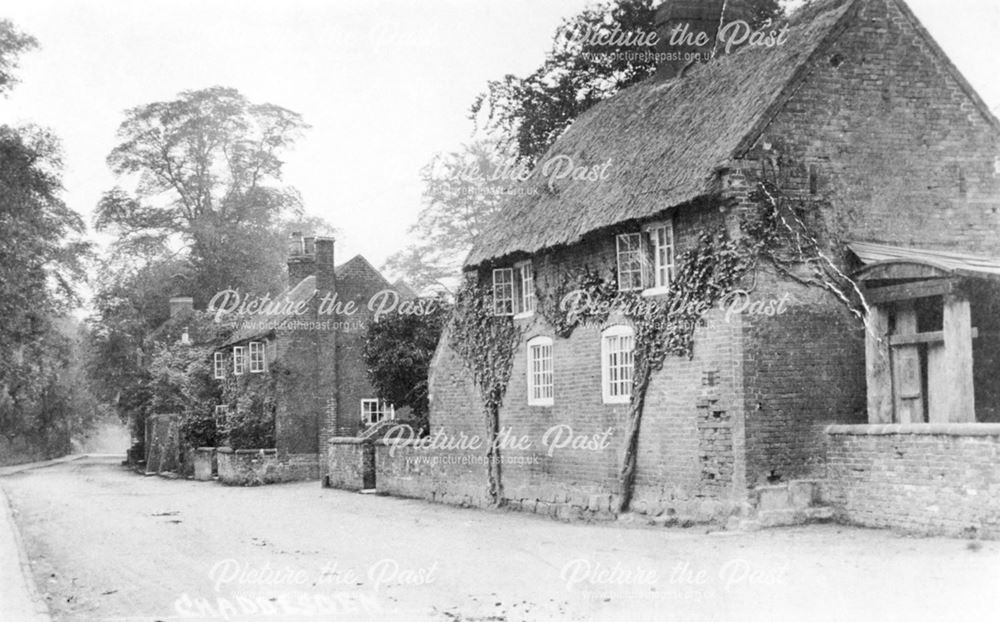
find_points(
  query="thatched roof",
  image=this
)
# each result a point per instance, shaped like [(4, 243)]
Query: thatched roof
[(666, 141)]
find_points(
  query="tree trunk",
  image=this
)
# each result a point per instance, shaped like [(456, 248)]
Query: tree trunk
[(626, 478), (493, 474)]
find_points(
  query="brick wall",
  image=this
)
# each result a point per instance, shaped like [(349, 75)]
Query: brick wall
[(254, 467), (805, 369), (881, 136), (452, 477), (349, 463), (893, 138), (691, 430), (928, 478), (299, 403), (357, 281), (898, 154)]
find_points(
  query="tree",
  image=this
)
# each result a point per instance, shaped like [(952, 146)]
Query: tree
[(13, 43), (463, 191), (520, 119), (42, 258), (207, 170), (530, 113), (181, 378), (398, 351)]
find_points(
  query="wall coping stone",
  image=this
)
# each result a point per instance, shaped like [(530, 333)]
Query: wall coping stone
[(244, 452), (347, 440), (938, 429)]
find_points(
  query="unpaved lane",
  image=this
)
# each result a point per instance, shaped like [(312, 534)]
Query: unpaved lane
[(111, 545)]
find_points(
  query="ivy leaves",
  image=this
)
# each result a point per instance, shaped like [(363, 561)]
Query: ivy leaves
[(485, 341)]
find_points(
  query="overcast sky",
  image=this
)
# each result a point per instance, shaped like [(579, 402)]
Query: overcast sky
[(385, 84)]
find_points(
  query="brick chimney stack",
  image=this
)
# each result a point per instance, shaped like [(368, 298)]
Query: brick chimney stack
[(326, 280), (301, 258), (688, 30)]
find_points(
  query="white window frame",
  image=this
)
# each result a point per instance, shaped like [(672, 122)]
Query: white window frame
[(525, 277), (664, 262), (639, 255), (617, 374), (503, 301), (219, 365), (239, 360), (382, 408), (257, 357), (540, 372), (221, 409)]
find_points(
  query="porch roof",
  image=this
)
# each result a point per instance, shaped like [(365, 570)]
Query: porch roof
[(926, 263)]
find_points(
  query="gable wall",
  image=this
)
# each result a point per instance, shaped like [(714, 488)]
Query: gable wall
[(889, 130), (357, 282)]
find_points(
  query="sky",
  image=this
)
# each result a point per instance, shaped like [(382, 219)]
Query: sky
[(385, 84)]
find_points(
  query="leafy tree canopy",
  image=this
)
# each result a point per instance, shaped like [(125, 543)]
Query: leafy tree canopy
[(398, 350), (530, 113), (207, 171), (520, 118), (13, 43)]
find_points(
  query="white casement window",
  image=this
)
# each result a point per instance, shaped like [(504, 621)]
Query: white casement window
[(239, 360), (219, 365), (221, 410), (540, 391), (373, 411), (661, 244), (617, 364), (526, 288), (258, 362), (630, 250), (503, 291)]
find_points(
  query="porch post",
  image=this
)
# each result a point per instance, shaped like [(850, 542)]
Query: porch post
[(958, 389), (906, 373), (877, 365)]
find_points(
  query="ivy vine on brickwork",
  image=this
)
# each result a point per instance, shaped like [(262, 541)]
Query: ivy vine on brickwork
[(486, 342), (774, 230), (252, 400), (663, 325)]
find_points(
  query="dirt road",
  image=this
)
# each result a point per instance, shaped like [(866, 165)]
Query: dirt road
[(107, 544)]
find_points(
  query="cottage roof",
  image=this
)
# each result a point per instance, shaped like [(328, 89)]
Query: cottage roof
[(251, 326), (356, 278), (667, 140)]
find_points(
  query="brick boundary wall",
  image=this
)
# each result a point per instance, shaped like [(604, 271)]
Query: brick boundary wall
[(349, 463), (941, 479), (433, 474), (459, 478), (254, 467)]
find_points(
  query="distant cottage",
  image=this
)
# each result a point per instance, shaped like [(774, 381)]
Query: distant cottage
[(861, 118), (305, 371)]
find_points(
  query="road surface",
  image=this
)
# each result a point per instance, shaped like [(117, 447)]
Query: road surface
[(107, 544)]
